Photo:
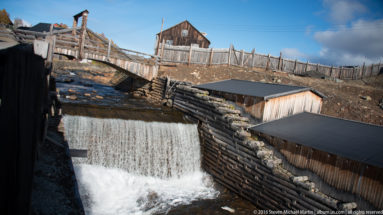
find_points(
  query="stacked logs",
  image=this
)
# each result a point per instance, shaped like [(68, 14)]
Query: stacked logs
[(242, 163), (157, 89)]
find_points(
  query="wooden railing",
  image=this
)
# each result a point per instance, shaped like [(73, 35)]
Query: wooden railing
[(99, 45), (231, 56)]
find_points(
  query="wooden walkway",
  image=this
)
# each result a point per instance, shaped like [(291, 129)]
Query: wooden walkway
[(95, 47)]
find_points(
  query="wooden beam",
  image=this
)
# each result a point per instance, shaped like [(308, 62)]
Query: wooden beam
[(268, 62), (280, 61), (340, 72), (231, 47), (242, 56), (190, 54), (109, 44), (83, 33), (160, 37), (74, 26), (295, 66), (307, 65), (211, 56), (252, 58)]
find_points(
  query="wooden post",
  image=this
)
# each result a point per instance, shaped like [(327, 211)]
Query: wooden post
[(190, 54), (51, 29), (162, 48), (364, 64), (295, 66), (160, 37), (51, 46), (353, 73), (252, 57), (331, 70), (231, 47), (317, 70), (279, 61), (268, 62), (83, 33), (242, 56), (307, 65), (211, 56), (74, 27), (109, 45), (340, 72)]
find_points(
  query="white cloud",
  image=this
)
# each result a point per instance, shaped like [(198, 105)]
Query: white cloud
[(292, 53), (362, 42), (342, 11)]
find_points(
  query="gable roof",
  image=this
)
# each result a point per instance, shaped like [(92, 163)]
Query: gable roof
[(189, 24), (349, 139), (256, 89), (41, 27)]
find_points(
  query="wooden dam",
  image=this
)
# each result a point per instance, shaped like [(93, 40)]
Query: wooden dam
[(266, 142), (299, 160)]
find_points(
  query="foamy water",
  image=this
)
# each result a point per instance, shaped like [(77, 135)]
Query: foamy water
[(115, 191), (136, 167)]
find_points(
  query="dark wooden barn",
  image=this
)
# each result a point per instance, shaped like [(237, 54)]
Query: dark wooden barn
[(183, 34)]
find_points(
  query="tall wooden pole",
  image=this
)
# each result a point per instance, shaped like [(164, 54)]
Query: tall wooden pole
[(83, 33), (160, 37)]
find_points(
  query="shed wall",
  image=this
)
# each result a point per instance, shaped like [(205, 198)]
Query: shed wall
[(284, 106), (343, 174)]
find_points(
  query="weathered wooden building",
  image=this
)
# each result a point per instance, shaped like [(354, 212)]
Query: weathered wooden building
[(183, 34), (334, 153), (266, 102)]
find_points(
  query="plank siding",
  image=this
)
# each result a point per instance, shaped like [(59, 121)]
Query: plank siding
[(342, 173), (276, 108), (193, 36), (284, 106)]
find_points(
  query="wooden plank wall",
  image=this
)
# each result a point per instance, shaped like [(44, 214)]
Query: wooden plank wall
[(194, 36), (284, 106), (23, 114), (275, 108), (244, 165), (344, 174), (230, 56)]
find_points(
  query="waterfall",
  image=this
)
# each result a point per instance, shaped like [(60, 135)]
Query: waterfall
[(137, 167)]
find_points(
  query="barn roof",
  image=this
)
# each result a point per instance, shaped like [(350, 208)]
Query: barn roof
[(190, 25), (256, 89), (41, 27), (349, 139)]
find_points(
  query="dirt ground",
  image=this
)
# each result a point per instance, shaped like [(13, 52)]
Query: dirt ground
[(350, 99)]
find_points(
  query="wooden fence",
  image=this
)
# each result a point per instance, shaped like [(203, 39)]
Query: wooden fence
[(230, 56)]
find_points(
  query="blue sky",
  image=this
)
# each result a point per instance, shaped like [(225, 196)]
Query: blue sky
[(336, 32)]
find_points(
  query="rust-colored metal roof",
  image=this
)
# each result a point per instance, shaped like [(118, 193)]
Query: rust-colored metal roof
[(256, 89), (349, 139)]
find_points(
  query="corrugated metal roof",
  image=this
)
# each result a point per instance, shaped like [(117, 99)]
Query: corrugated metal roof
[(349, 139), (257, 89)]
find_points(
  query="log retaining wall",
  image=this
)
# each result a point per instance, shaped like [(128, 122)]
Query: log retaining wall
[(244, 164)]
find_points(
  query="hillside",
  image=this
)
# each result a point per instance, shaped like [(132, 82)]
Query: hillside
[(352, 99)]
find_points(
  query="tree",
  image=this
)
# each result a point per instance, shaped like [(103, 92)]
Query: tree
[(4, 18)]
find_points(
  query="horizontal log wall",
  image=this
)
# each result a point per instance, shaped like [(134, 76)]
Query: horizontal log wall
[(213, 56), (243, 164)]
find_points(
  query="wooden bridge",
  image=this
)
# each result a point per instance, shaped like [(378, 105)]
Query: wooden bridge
[(82, 43)]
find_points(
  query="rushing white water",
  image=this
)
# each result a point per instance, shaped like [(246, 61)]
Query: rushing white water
[(137, 167)]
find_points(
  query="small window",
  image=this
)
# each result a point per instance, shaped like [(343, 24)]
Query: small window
[(184, 33), (169, 42)]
